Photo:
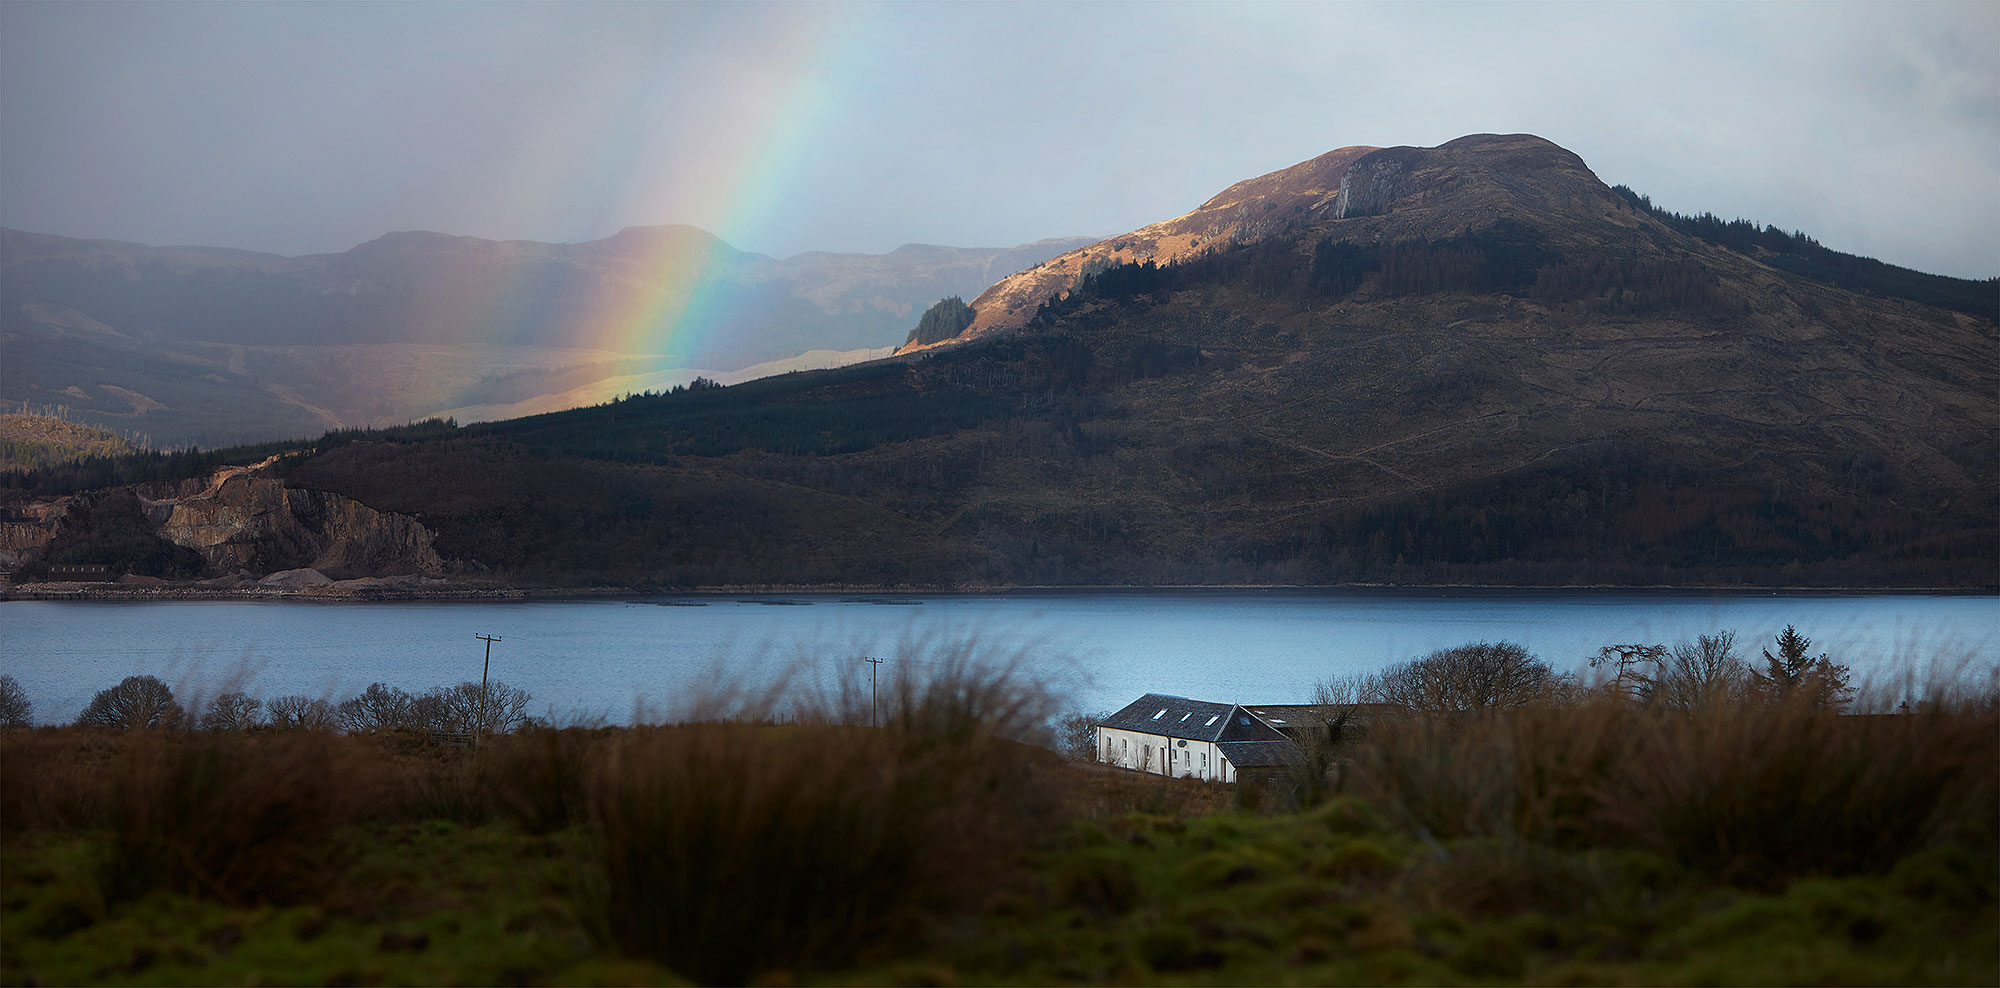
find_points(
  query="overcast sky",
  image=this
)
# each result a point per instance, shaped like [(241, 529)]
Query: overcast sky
[(300, 128)]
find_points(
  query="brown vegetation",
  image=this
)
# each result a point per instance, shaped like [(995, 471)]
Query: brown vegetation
[(727, 850)]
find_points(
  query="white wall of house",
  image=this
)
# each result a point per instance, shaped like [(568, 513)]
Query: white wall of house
[(1160, 755)]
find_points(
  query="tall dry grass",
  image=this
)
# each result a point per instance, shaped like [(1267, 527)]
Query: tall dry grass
[(240, 817), (234, 818), (1754, 793), (731, 850)]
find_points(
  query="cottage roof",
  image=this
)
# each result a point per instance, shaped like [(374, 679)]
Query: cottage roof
[(1193, 720), (1259, 754)]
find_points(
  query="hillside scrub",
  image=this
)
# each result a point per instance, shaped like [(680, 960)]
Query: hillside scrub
[(31, 441)]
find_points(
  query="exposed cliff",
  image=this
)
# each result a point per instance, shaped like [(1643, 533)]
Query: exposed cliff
[(25, 528), (241, 520)]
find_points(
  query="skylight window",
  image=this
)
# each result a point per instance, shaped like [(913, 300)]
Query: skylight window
[(1185, 716), (1162, 713), (1212, 720)]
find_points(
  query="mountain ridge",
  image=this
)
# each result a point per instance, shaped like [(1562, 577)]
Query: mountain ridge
[(226, 346), (1484, 367), (1524, 177)]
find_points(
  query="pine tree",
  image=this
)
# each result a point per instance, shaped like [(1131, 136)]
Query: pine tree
[(1795, 674)]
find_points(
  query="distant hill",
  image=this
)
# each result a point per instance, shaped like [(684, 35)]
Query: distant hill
[(1469, 364), (31, 441), (211, 346), (1437, 192)]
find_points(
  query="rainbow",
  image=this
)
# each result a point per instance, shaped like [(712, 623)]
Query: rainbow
[(771, 121)]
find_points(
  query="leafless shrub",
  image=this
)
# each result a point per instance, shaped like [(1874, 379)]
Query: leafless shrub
[(377, 709), (1635, 669), (15, 710), (1688, 676), (233, 711), (136, 703), (300, 713), (1469, 678), (1076, 735), (1346, 691), (495, 708), (1702, 673)]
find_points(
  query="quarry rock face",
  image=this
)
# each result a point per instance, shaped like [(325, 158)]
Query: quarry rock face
[(26, 528), (241, 521)]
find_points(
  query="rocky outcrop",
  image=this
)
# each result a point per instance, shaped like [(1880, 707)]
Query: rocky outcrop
[(244, 521), (26, 527), (1371, 182)]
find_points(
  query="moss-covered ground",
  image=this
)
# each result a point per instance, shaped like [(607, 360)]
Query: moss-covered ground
[(1327, 896)]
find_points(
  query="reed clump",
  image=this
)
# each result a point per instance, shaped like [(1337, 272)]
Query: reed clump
[(730, 851), (539, 777), (240, 819), (1753, 793)]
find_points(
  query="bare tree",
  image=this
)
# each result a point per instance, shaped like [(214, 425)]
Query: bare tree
[(377, 709), (467, 708), (1470, 678), (301, 713), (136, 703), (1076, 736), (233, 711), (1702, 672), (1635, 669), (15, 710), (1347, 691)]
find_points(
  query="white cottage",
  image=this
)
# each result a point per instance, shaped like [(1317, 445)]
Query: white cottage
[(1182, 738)]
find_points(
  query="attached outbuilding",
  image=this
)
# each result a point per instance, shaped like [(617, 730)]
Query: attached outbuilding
[(1191, 739)]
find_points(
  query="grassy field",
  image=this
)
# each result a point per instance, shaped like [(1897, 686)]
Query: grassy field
[(1590, 843)]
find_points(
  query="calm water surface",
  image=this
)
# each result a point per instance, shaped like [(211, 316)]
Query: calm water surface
[(615, 660)]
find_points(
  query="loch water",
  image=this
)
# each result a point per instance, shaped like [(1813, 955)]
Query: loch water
[(656, 658)]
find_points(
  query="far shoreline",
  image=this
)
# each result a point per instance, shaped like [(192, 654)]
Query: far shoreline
[(477, 594)]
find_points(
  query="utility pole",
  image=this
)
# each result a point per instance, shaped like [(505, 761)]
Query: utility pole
[(489, 640), (873, 666)]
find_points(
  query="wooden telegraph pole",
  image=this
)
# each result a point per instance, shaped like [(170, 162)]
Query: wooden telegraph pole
[(489, 640), (873, 665)]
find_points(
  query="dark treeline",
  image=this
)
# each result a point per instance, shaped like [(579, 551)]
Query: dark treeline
[(171, 466), (1615, 512), (144, 467), (1802, 255)]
